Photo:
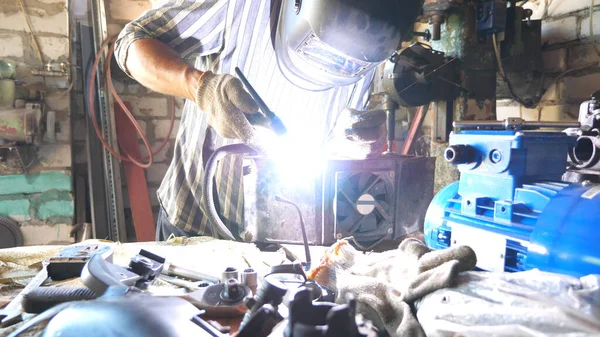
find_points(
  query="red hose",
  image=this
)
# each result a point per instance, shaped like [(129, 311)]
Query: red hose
[(126, 157)]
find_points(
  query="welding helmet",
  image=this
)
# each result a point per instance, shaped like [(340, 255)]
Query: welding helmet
[(322, 44)]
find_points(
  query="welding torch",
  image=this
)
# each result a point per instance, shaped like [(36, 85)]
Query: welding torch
[(276, 124)]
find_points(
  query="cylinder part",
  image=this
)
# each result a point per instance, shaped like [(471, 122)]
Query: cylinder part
[(459, 154), (587, 153), (250, 279), (229, 273)]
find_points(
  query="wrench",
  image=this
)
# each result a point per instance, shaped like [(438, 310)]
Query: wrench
[(12, 313)]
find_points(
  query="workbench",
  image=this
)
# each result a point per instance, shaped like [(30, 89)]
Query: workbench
[(210, 256)]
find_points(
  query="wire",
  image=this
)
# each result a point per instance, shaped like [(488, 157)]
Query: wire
[(35, 43), (302, 226), (126, 157), (529, 104)]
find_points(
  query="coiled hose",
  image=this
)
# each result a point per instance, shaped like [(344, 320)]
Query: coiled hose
[(217, 225)]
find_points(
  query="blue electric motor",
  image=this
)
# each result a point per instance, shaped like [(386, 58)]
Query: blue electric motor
[(510, 204)]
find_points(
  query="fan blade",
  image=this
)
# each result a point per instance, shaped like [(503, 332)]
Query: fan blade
[(379, 190), (365, 180), (348, 223), (368, 223)]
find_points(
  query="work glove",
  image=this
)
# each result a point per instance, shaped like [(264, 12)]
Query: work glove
[(225, 101), (387, 284), (358, 134)]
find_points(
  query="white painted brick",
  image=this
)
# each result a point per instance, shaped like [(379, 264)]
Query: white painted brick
[(147, 106), (55, 155), (538, 7), (504, 112), (580, 88), (127, 10), (161, 128), (505, 102), (135, 89), (555, 60), (554, 113), (179, 103), (11, 45), (559, 31), (585, 26), (52, 1), (530, 114), (143, 126), (54, 47), (119, 87), (582, 55), (46, 234), (56, 24), (156, 173), (554, 92), (560, 7), (160, 157)]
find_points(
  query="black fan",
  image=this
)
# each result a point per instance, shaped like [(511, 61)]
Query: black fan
[(362, 204)]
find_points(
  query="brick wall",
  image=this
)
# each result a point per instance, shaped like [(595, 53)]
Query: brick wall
[(45, 214), (571, 60)]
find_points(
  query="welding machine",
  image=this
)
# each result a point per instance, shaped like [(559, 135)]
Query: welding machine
[(510, 204)]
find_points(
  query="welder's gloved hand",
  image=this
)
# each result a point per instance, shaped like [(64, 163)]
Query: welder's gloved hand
[(225, 101), (386, 285), (358, 134)]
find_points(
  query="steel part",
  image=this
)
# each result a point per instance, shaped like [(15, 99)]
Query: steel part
[(328, 319), (97, 193), (405, 183), (514, 124), (415, 126), (69, 262), (49, 73), (229, 273), (189, 285), (249, 278), (421, 75), (220, 300), (586, 153), (98, 274), (112, 171), (442, 122), (459, 154), (11, 314), (522, 60), (271, 292), (512, 208), (137, 187), (10, 233), (231, 289), (276, 123), (21, 126), (194, 275), (391, 129), (43, 298)]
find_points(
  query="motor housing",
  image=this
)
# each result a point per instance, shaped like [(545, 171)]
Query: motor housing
[(511, 206)]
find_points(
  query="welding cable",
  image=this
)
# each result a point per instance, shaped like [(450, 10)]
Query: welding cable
[(217, 225), (126, 157), (302, 226)]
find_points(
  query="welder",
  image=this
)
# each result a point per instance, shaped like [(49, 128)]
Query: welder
[(312, 61)]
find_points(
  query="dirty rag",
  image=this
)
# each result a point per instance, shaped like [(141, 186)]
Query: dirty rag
[(387, 284)]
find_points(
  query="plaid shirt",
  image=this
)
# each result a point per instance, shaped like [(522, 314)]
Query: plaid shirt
[(220, 35)]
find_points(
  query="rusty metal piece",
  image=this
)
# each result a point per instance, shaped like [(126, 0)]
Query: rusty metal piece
[(415, 126), (436, 11), (21, 125)]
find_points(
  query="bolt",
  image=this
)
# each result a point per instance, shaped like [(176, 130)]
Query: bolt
[(390, 231), (231, 289), (495, 156), (501, 256), (453, 242), (338, 236)]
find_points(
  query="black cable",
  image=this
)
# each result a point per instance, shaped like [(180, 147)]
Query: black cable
[(304, 237)]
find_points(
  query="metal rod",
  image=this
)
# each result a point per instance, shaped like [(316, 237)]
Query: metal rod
[(514, 123), (414, 128), (391, 129)]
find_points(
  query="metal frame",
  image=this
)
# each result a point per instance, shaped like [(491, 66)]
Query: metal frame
[(112, 174)]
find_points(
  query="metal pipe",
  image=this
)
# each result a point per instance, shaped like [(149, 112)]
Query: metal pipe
[(173, 270), (514, 124), (586, 153)]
